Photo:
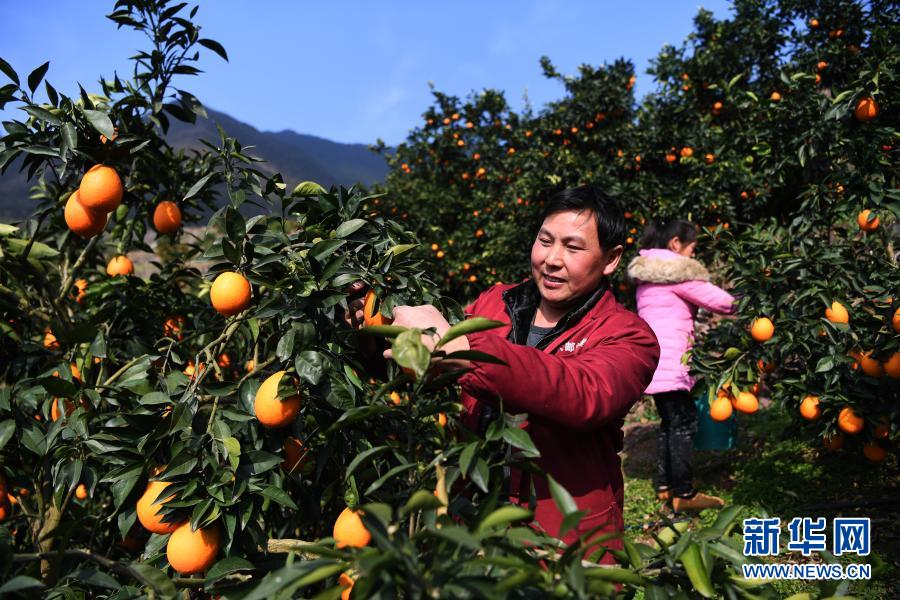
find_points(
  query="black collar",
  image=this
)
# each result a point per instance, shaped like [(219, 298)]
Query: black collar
[(522, 302)]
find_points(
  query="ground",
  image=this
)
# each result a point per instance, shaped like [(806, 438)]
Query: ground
[(775, 469)]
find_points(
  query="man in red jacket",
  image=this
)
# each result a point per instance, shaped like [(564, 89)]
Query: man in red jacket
[(576, 360)]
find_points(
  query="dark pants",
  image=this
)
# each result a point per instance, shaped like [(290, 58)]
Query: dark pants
[(675, 445)]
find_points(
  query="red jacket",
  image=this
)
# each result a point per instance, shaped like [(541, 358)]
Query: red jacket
[(576, 391)]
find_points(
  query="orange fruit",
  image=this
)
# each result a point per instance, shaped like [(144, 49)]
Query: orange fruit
[(809, 408), (50, 341), (834, 442), (350, 531), (746, 402), (441, 419), (670, 158), (249, 366), (173, 325), (870, 366), (849, 421), (190, 552), (837, 313), (862, 219), (166, 217), (230, 293), (891, 366), (775, 97), (710, 158), (81, 220), (396, 400), (81, 492), (81, 286), (68, 405), (874, 452), (720, 409), (370, 317), (148, 509), (294, 455), (762, 329), (224, 361), (272, 410), (346, 582), (765, 366), (101, 189), (813, 23), (687, 152), (895, 320), (866, 109), (6, 509), (3, 489), (119, 265), (821, 65)]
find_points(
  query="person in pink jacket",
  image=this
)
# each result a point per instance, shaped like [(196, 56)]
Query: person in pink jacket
[(671, 286)]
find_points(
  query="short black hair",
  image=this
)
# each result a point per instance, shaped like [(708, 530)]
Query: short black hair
[(659, 231), (607, 212)]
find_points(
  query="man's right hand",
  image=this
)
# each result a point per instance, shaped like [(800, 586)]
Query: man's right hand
[(356, 297)]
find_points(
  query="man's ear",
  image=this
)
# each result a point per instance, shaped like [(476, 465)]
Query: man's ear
[(613, 256)]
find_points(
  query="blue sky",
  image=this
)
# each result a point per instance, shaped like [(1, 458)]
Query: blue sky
[(355, 71)]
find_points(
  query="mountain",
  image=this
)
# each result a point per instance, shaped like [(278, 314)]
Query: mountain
[(298, 157)]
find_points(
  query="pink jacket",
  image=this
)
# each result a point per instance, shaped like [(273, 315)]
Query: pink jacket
[(670, 289)]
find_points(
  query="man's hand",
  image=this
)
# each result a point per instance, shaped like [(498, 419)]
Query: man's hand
[(424, 317), (356, 299)]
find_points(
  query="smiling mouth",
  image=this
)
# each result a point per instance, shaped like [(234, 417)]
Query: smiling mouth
[(553, 279)]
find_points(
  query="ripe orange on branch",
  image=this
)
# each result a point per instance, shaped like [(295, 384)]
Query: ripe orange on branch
[(119, 265), (837, 313), (809, 408), (294, 455), (865, 222), (370, 317), (349, 530), (762, 329), (83, 221), (866, 109), (149, 511), (720, 409), (230, 293), (166, 217), (746, 402), (190, 552), (101, 189), (849, 421), (274, 411)]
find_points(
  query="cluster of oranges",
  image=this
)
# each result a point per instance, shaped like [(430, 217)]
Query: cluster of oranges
[(99, 194)]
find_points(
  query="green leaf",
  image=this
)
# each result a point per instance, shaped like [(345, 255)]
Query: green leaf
[(9, 71), (20, 583), (561, 497), (400, 249), (34, 79), (826, 363), (278, 495), (7, 429), (214, 46), (100, 121), (375, 485), (457, 535), (195, 189), (308, 188), (468, 326), (310, 366), (361, 458), (349, 227), (154, 578), (696, 571), (520, 439), (69, 136), (42, 114), (503, 516), (226, 566), (409, 351), (421, 499)]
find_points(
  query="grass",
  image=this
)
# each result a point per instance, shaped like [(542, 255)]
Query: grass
[(777, 470)]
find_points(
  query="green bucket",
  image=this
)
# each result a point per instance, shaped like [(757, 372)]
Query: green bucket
[(713, 435)]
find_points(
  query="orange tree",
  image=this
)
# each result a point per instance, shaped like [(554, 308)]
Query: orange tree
[(775, 130), (204, 423)]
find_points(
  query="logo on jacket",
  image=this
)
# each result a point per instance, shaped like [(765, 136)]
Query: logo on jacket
[(572, 346)]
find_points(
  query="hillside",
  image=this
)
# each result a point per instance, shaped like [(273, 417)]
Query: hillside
[(297, 156)]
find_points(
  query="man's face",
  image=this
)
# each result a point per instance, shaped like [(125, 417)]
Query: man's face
[(567, 260)]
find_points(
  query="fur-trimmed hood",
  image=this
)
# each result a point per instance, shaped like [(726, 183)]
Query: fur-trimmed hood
[(659, 265)]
